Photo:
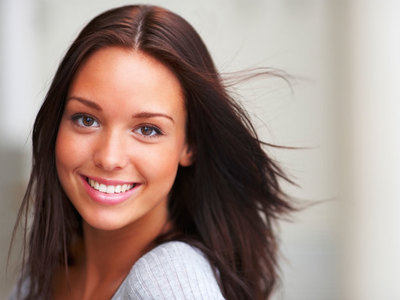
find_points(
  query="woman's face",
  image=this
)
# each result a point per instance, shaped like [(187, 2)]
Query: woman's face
[(121, 139)]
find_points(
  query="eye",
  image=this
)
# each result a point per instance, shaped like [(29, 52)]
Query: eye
[(83, 120), (148, 131)]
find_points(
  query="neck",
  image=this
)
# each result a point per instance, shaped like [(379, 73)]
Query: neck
[(107, 256), (109, 253)]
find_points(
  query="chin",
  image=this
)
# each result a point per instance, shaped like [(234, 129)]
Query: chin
[(105, 222)]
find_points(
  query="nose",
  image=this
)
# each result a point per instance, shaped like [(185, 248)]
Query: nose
[(110, 153)]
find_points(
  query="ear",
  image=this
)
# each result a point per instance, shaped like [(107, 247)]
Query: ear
[(187, 156)]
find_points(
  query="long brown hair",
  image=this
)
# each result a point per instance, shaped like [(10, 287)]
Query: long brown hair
[(225, 203)]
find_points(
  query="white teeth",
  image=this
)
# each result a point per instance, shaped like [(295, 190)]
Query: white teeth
[(103, 188), (110, 189)]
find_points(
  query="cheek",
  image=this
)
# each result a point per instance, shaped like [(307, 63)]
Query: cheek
[(63, 154), (159, 164), (69, 150)]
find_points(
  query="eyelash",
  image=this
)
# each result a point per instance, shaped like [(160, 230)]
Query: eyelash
[(78, 120), (155, 131)]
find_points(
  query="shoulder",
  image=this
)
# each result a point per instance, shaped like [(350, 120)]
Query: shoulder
[(174, 256), (173, 270), (20, 292)]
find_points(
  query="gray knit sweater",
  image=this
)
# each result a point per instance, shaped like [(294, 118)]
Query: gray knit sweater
[(173, 270)]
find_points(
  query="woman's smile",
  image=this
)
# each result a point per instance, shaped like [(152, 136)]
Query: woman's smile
[(121, 139), (109, 191), (110, 188)]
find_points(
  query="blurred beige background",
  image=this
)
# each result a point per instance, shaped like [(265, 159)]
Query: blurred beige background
[(344, 106)]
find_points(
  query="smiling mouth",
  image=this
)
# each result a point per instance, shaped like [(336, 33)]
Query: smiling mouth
[(110, 189)]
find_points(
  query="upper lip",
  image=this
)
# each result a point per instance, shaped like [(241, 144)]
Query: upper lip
[(108, 181)]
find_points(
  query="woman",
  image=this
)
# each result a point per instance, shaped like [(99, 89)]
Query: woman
[(148, 180)]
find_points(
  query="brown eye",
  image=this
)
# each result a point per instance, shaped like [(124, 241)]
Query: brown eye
[(87, 121), (84, 120), (148, 131)]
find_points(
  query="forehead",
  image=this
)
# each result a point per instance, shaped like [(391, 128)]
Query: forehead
[(127, 76)]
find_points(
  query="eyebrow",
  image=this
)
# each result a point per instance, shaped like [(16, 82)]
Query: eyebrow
[(140, 115), (86, 102), (145, 115)]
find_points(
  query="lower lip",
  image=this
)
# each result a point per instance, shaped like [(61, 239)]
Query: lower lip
[(105, 198)]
